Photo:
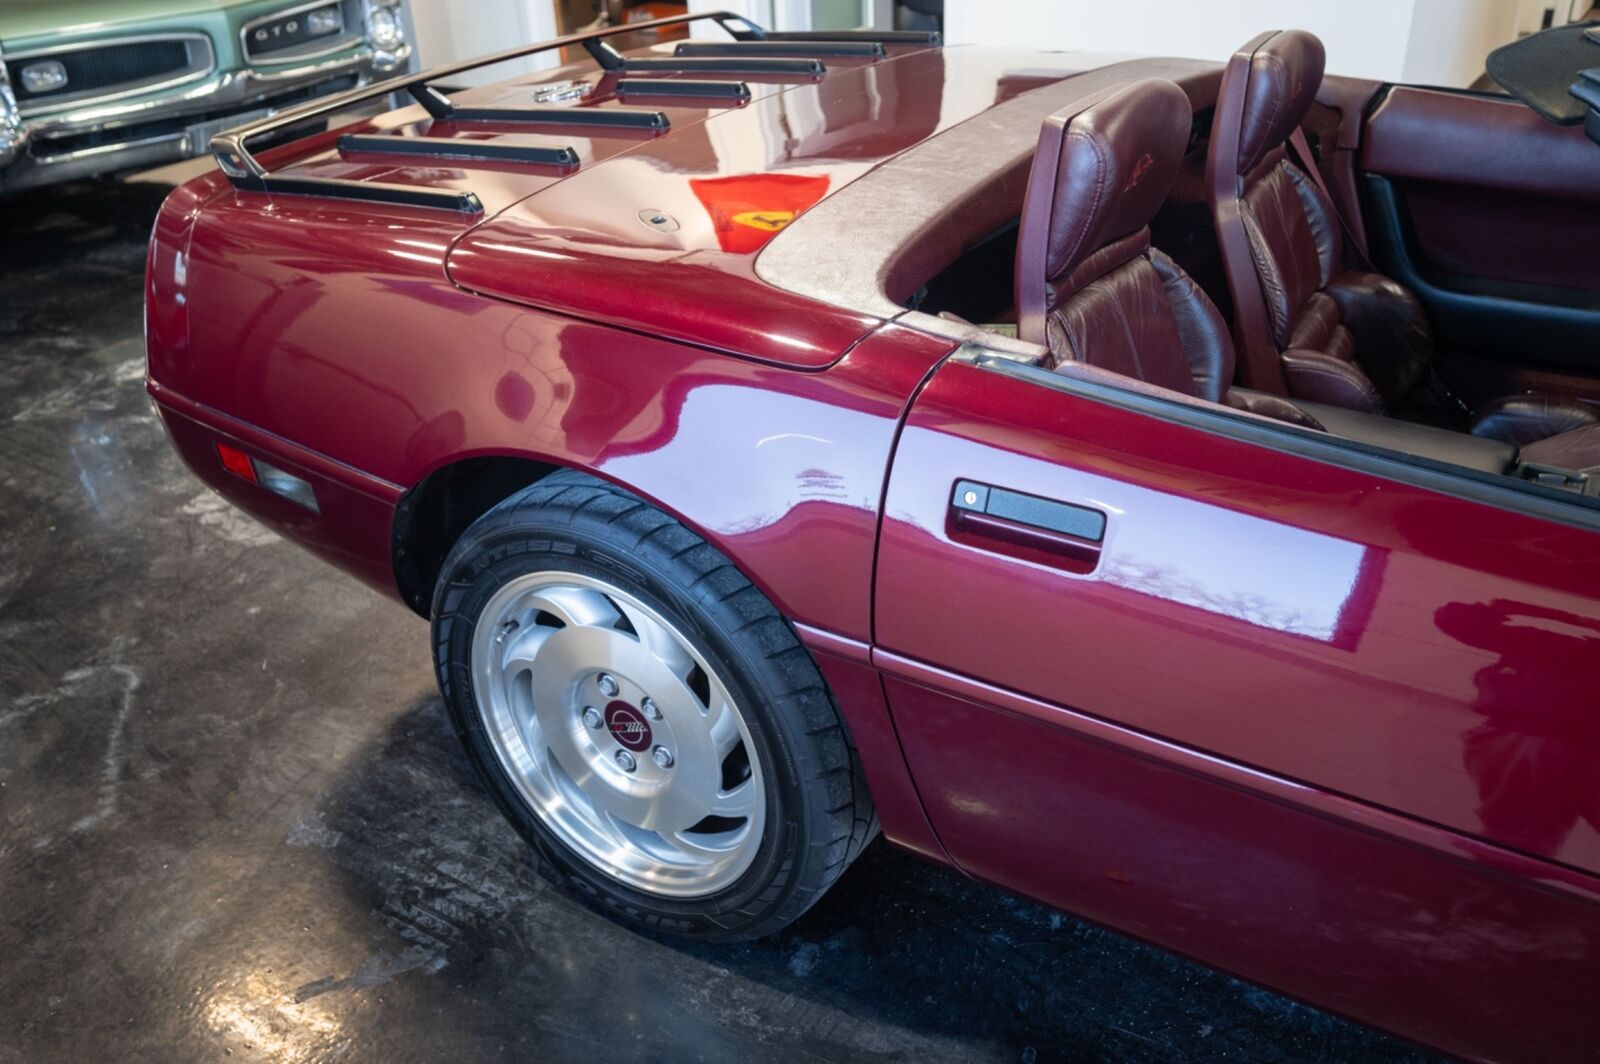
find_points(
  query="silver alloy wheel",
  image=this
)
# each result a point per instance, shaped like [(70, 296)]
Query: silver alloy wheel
[(618, 734)]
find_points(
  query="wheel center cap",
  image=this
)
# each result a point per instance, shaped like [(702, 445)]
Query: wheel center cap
[(628, 726)]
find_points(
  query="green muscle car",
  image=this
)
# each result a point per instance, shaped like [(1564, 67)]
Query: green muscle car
[(99, 86)]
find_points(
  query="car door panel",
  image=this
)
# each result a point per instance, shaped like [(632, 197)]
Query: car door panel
[(1391, 933), (1355, 634), (1282, 632), (1491, 215)]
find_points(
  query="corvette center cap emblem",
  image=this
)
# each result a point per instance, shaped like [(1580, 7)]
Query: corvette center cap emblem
[(627, 726)]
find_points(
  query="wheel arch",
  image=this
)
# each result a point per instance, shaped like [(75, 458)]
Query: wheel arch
[(434, 512)]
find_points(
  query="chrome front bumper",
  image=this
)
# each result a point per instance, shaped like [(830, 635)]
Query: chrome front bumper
[(82, 142)]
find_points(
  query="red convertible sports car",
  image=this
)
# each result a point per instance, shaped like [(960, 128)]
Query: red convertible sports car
[(1167, 489)]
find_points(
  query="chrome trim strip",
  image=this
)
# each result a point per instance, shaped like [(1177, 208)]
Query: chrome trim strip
[(93, 97), (13, 134), (345, 38), (68, 157), (234, 86)]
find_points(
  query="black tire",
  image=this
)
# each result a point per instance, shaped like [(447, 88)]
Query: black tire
[(819, 815)]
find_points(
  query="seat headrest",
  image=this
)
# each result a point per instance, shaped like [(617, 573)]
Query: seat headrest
[(1279, 88), (1102, 172)]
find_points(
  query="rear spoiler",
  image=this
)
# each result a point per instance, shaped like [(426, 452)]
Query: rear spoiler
[(753, 50)]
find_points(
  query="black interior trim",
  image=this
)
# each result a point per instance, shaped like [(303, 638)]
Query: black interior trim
[(1500, 491), (1556, 328)]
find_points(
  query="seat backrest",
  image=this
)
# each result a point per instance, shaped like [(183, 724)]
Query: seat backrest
[(1089, 284), (1278, 232)]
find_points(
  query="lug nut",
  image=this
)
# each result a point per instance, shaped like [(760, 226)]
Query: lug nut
[(608, 686), (650, 710), (591, 717), (626, 761), (662, 757)]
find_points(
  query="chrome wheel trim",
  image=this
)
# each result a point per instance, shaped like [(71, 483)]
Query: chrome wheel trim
[(666, 797)]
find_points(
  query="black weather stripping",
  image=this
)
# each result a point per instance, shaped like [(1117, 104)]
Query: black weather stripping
[(369, 191), (821, 49), (451, 148), (734, 64), (722, 90)]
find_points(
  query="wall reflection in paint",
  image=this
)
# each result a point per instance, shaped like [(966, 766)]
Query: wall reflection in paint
[(1289, 580)]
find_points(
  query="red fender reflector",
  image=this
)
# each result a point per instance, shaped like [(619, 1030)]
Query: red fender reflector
[(275, 480), (236, 462)]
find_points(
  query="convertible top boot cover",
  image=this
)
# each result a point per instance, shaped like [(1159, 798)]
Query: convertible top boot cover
[(1350, 339), (1090, 286)]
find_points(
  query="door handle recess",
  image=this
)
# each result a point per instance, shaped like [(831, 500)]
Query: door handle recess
[(1046, 531)]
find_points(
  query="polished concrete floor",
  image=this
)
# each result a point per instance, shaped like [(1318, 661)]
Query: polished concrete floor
[(234, 822)]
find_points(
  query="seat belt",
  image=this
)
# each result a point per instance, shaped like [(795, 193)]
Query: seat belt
[(1302, 149), (1308, 163)]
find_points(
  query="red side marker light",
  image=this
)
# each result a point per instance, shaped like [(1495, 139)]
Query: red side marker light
[(237, 462), (275, 480)]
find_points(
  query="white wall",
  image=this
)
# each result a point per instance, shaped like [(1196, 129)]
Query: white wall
[(1437, 41), (452, 30), (1450, 38), (1565, 11), (795, 14)]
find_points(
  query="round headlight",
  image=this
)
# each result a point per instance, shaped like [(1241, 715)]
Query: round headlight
[(384, 29)]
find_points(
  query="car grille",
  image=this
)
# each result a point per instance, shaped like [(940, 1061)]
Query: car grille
[(104, 70), (301, 32), (51, 147)]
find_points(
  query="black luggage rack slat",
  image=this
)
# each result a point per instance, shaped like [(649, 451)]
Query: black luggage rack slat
[(233, 155), (457, 148), (717, 90), (443, 109), (757, 49), (609, 118), (615, 62), (448, 199), (925, 38), (734, 64)]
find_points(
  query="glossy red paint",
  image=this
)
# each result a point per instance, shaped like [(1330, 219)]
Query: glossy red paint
[(427, 375), (1421, 668), (1327, 729), (587, 246), (1298, 635), (847, 666), (1459, 955)]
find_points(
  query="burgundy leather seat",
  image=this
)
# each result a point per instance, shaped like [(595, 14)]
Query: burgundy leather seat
[(1089, 284), (1351, 339)]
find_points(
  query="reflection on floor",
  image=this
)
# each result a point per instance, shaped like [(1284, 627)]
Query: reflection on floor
[(233, 819)]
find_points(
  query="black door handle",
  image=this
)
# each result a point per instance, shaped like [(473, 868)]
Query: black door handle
[(1047, 531)]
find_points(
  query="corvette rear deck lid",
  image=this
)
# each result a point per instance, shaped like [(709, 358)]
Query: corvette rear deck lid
[(663, 238)]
